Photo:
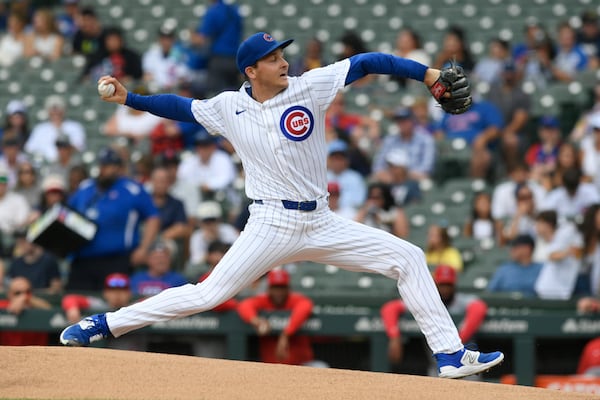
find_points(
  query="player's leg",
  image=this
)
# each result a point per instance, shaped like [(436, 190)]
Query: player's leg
[(357, 247)]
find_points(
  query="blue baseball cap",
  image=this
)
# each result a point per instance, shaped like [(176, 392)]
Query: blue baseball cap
[(549, 121), (108, 156), (256, 47)]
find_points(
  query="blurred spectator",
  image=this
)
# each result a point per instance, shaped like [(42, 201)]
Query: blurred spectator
[(589, 361), (534, 35), (590, 152), (312, 57), (588, 37), (590, 230), (44, 40), (77, 174), (504, 202), (173, 220), (19, 297), (134, 125), (158, 275), (422, 117), (469, 305), (570, 58), (521, 272), (582, 127), (439, 249), (542, 156), (480, 127), (11, 158), (36, 264), (53, 191), (14, 208), (559, 274), (89, 38), (116, 293), (287, 347), (489, 68), (209, 169), (210, 228), (334, 202), (164, 62), (42, 141), (404, 189), (481, 224), (28, 184), (454, 48), (67, 158), (179, 188), (219, 36), (114, 58), (573, 197), (67, 19), (588, 305), (17, 122), (414, 140), (352, 186), (568, 158), (523, 221), (12, 42), (409, 45), (118, 205), (379, 211), (514, 104), (536, 65)]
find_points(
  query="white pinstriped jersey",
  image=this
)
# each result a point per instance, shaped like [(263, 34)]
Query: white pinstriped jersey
[(281, 141)]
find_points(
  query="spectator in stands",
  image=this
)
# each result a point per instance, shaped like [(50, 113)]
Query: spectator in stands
[(118, 205), (559, 274), (67, 158), (444, 276), (17, 122), (454, 48), (209, 169), (14, 208), (67, 19), (514, 104), (504, 202), (590, 230), (409, 45), (42, 141), (12, 42), (353, 190), (582, 127), (28, 184), (589, 148), (568, 158), (115, 59), (490, 68), (534, 33), (414, 140), (210, 228), (220, 34), (537, 66), (521, 272), (53, 191), (173, 220), (164, 63), (480, 127), (77, 174), (439, 249), (44, 40), (19, 297), (12, 157), (523, 221), (334, 190), (134, 125), (89, 38), (379, 211), (36, 264), (180, 189), (287, 347), (158, 275), (404, 189), (588, 37), (481, 225), (571, 198), (542, 156), (570, 58), (312, 57)]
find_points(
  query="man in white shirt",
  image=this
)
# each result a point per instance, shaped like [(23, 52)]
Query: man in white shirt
[(163, 63), (573, 197), (353, 190), (504, 199), (42, 141), (14, 209)]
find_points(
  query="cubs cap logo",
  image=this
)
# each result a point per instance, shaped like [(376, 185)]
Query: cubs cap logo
[(268, 38), (297, 123)]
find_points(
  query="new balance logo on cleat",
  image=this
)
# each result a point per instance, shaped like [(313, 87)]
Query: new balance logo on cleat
[(466, 362), (86, 331)]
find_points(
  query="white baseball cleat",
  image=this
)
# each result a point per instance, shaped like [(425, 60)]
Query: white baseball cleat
[(466, 362)]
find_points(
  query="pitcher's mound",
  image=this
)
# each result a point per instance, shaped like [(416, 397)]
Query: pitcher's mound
[(90, 373)]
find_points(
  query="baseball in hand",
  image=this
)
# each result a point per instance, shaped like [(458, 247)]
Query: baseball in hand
[(106, 90)]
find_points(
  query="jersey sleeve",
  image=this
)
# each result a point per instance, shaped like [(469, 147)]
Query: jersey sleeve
[(208, 113), (474, 317), (327, 81), (301, 308), (390, 314)]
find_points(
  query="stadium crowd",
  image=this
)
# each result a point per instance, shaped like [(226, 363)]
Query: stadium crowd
[(161, 215)]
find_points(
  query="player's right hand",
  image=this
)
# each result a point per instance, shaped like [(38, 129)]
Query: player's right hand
[(120, 94)]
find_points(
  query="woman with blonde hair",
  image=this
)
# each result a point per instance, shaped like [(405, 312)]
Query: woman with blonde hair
[(44, 40)]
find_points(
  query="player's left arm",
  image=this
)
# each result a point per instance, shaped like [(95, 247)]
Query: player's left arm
[(474, 316), (301, 308), (364, 64)]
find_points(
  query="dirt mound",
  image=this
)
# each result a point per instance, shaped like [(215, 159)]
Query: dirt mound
[(90, 373)]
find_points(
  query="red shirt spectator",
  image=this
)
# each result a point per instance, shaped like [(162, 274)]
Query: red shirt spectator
[(285, 348)]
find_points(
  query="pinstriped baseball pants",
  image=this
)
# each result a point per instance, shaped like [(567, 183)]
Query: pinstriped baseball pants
[(274, 236)]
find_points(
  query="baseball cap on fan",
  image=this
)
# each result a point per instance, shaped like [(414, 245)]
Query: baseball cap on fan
[(278, 277), (116, 281), (444, 274), (256, 47)]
